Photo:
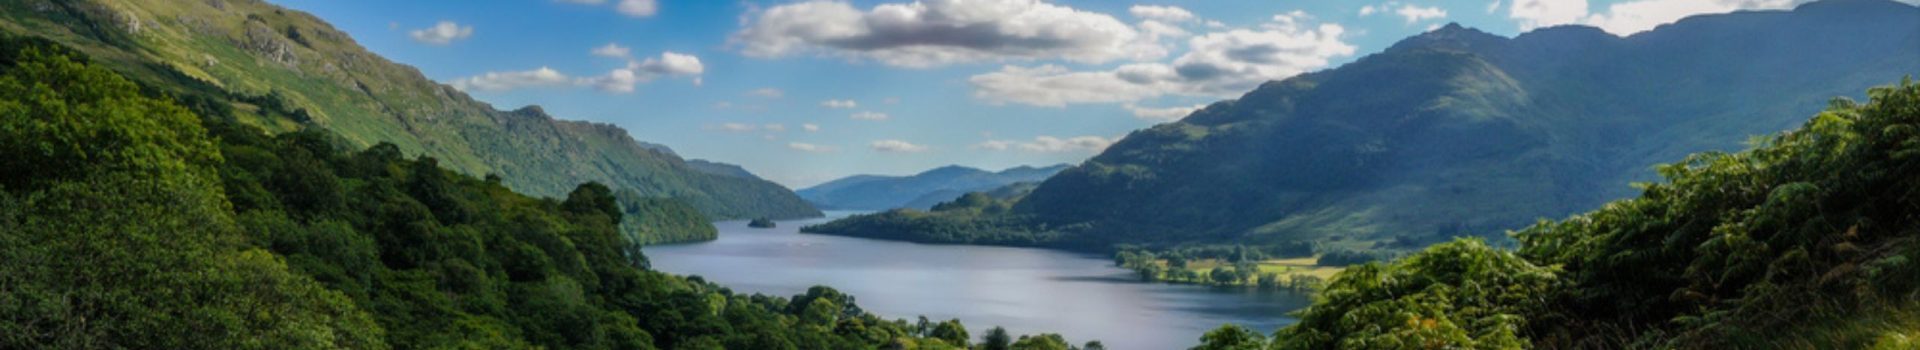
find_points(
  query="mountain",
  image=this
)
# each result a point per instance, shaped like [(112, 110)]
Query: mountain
[(1805, 240), (921, 191), (1457, 130), (275, 59), (722, 169)]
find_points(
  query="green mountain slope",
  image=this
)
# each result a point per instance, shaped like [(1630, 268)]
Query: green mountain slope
[(1459, 131), (131, 218), (1804, 241), (292, 60), (919, 191)]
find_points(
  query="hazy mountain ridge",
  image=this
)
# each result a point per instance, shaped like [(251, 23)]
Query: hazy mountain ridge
[(918, 191), (251, 48)]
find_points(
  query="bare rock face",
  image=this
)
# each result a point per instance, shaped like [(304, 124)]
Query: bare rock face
[(268, 43)]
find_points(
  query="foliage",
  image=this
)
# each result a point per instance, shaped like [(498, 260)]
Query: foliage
[(1801, 241), (115, 233), (761, 223), (1457, 131), (152, 225), (662, 220), (302, 72)]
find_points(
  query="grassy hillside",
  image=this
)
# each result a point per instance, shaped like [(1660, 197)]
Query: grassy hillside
[(290, 60), (136, 218), (1805, 240), (1457, 131)]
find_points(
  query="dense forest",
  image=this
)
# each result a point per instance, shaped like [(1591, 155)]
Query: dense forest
[(286, 58), (136, 217), (1805, 240)]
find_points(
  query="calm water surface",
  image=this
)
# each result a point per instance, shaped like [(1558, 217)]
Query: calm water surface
[(1025, 290)]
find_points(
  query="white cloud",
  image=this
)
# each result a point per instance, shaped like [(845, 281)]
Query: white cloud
[(736, 127), (1369, 10), (638, 8), (669, 63), (1493, 7), (774, 127), (1541, 13), (811, 148), (613, 50), (1172, 14), (810, 127), (1049, 144), (1413, 13), (839, 104), (1162, 114), (1216, 64), (937, 32), (767, 92), (897, 146), (445, 32), (869, 115), (1629, 17), (503, 81)]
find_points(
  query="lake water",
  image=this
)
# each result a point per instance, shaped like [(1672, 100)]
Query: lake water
[(1028, 291)]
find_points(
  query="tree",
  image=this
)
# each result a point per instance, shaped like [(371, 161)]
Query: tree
[(1045, 341), (996, 339), (952, 332), (1231, 337), (1222, 275), (1094, 345)]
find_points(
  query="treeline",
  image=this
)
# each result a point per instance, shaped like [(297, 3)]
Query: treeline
[(1807, 240), (648, 220), (973, 218), (135, 219)]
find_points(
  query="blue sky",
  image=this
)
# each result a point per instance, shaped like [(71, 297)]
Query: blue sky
[(801, 92)]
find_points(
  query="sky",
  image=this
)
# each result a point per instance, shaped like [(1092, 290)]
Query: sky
[(805, 91)]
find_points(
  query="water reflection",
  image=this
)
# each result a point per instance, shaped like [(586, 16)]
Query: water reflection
[(1025, 290)]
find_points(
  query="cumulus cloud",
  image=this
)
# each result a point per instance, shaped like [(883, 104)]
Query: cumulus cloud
[(1163, 114), (869, 115), (638, 8), (503, 81), (1629, 17), (897, 146), (1216, 64), (613, 50), (1414, 14), (839, 104), (774, 127), (811, 148), (1049, 144), (810, 127), (445, 32), (936, 32), (767, 92), (669, 63), (1171, 14)]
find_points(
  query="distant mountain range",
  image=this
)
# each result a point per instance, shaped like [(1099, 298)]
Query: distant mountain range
[(918, 191), (283, 60), (1457, 130)]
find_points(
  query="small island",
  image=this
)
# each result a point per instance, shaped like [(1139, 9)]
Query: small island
[(760, 223)]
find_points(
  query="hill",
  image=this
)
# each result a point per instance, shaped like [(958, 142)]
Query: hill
[(1805, 240), (919, 191), (134, 218), (1456, 131), (277, 59)]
